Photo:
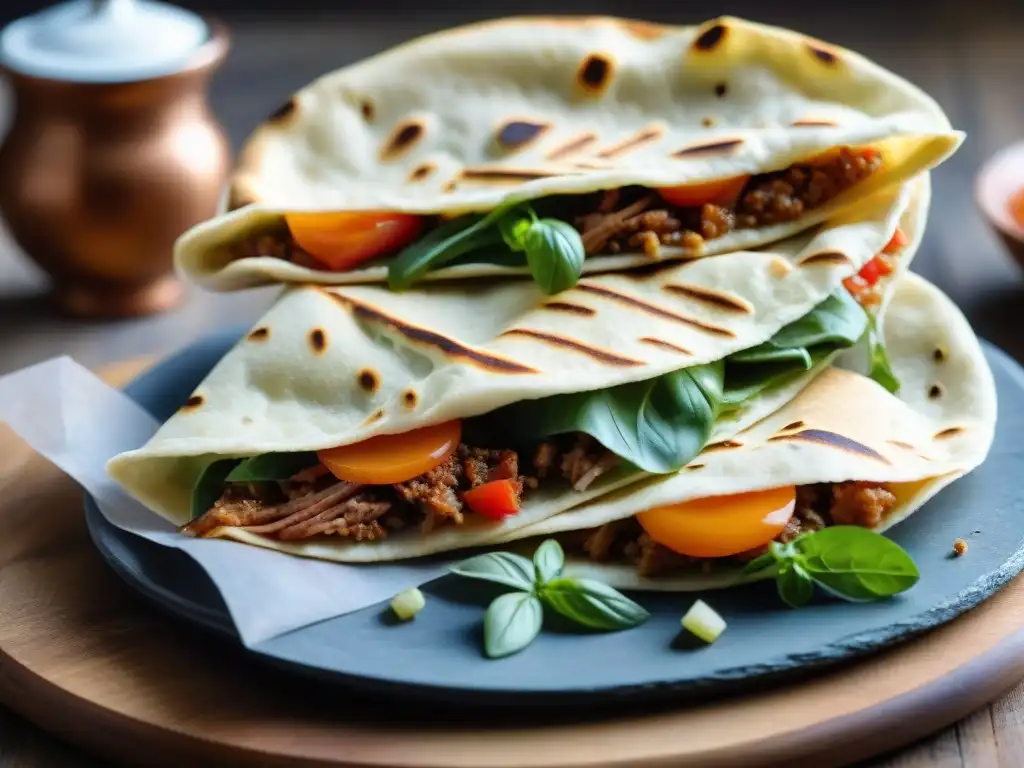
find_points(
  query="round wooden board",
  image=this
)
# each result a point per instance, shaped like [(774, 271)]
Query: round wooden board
[(83, 656)]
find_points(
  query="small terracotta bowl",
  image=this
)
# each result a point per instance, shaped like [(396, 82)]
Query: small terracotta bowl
[(997, 181)]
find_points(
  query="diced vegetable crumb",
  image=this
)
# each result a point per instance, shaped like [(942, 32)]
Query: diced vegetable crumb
[(408, 603), (959, 547), (704, 622)]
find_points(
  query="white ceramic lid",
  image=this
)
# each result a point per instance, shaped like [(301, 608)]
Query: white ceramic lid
[(103, 41)]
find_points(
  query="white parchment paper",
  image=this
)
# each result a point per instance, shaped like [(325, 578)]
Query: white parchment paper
[(76, 421)]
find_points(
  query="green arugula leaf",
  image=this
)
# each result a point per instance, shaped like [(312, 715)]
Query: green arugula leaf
[(271, 466), (592, 604), (450, 240), (881, 369), (764, 353), (505, 568), (511, 623), (794, 585), (210, 485), (548, 561), (658, 425), (555, 254), (855, 563)]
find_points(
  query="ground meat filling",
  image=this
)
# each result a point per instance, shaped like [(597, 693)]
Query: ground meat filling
[(817, 506), (637, 219), (643, 221), (315, 503)]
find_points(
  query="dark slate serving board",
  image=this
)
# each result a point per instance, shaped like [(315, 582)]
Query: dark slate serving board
[(438, 656)]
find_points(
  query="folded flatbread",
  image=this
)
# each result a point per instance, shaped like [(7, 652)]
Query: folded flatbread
[(642, 142), (856, 454), (626, 374)]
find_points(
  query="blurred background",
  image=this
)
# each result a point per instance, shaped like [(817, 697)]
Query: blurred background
[(968, 55)]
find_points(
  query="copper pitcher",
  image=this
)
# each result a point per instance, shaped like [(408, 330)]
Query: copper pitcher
[(97, 180)]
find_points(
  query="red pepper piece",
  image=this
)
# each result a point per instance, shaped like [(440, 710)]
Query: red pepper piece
[(494, 500)]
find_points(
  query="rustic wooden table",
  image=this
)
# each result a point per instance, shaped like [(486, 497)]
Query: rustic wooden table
[(968, 56)]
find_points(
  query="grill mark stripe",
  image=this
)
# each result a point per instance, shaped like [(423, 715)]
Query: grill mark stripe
[(574, 145), (565, 306), (644, 136), (721, 300), (560, 341), (665, 345), (450, 347), (704, 149), (826, 257), (946, 433), (502, 174), (832, 440), (651, 309), (722, 445)]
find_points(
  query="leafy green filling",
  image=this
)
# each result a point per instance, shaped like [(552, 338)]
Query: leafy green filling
[(553, 249), (656, 425)]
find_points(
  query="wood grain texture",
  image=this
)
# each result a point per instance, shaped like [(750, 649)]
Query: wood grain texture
[(968, 56)]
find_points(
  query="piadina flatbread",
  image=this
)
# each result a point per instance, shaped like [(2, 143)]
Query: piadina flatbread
[(640, 142), (857, 454), (624, 375)]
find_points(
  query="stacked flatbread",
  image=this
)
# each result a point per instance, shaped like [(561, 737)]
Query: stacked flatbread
[(572, 277)]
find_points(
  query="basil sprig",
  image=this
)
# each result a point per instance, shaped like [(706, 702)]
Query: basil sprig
[(553, 248), (514, 619), (846, 561)]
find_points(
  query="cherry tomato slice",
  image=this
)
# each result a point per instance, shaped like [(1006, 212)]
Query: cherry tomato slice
[(718, 526), (724, 192), (342, 241), (494, 500), (387, 459)]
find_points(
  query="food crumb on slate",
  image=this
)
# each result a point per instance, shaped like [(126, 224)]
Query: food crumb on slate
[(959, 547)]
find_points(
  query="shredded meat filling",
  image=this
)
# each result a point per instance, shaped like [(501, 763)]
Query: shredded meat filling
[(817, 506), (315, 503), (637, 219)]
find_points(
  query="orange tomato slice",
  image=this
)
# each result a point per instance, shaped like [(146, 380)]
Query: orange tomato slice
[(387, 459), (342, 241), (897, 242), (719, 526), (723, 192)]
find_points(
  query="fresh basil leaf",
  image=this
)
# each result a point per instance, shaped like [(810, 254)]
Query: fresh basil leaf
[(855, 563), (766, 353), (760, 563), (838, 320), (511, 623), (505, 568), (592, 604), (271, 466), (450, 240), (555, 254), (796, 348), (513, 227), (881, 370), (210, 485), (658, 425), (548, 561), (794, 586)]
